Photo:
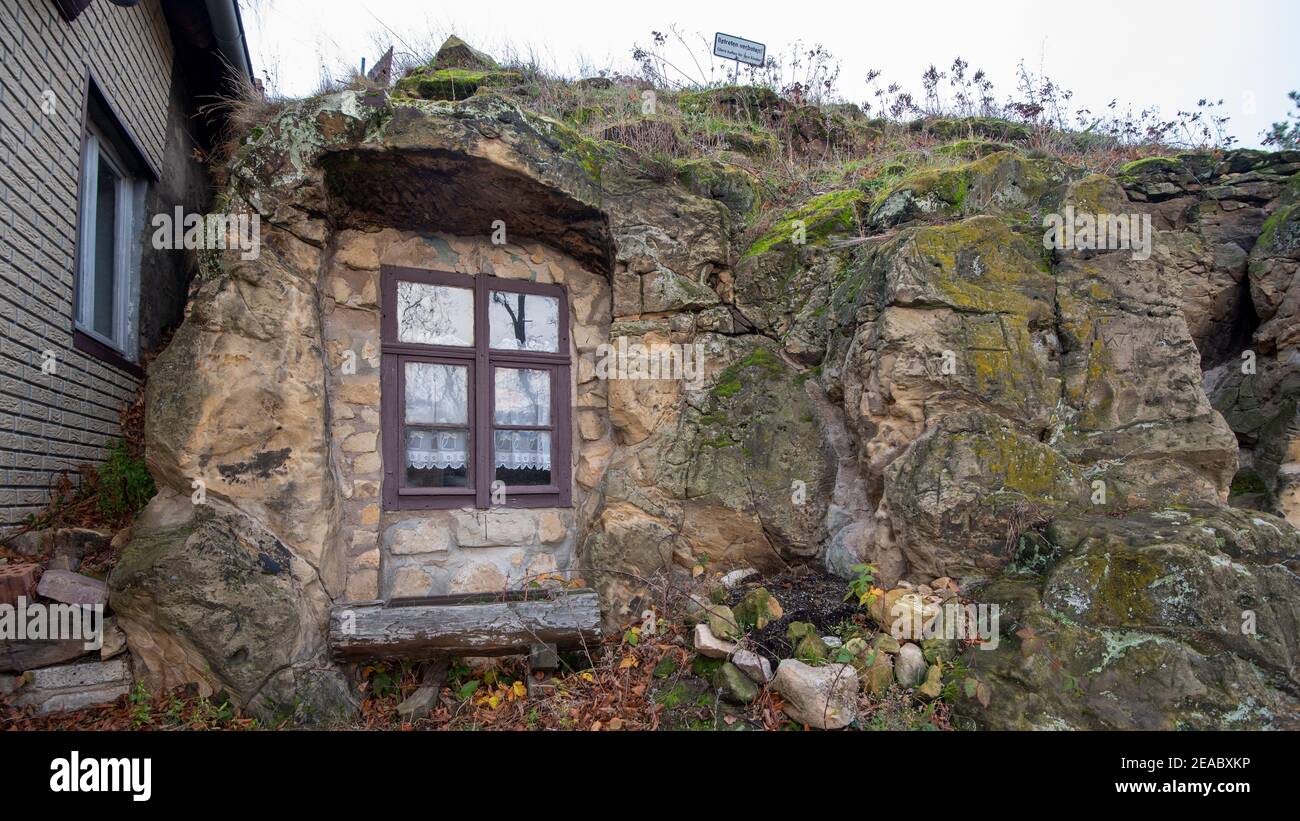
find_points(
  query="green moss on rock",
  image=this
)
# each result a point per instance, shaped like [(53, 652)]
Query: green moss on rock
[(822, 217), (451, 83)]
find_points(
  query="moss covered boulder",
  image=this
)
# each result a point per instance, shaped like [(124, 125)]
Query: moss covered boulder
[(1174, 620), (451, 83), (212, 598), (1001, 182), (957, 491), (1219, 579)]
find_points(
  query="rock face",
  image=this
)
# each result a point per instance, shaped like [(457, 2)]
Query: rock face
[(943, 397), (1164, 622)]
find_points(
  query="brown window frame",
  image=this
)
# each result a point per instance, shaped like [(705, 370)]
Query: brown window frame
[(481, 361)]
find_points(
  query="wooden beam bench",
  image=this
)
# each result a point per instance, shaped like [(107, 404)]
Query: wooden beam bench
[(486, 624)]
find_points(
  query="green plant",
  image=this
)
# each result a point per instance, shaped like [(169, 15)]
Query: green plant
[(124, 485), (141, 705), (862, 584)]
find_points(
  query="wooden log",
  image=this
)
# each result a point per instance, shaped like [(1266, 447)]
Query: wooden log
[(474, 625)]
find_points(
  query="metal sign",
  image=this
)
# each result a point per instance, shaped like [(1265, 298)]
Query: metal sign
[(731, 47)]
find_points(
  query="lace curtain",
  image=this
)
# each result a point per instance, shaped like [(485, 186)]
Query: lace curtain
[(426, 449), (523, 449)]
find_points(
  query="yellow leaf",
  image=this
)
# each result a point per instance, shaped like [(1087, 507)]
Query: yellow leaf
[(628, 661), (697, 570), (519, 689), (587, 677)]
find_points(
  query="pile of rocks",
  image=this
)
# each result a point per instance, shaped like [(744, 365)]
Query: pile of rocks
[(820, 684), (42, 595)]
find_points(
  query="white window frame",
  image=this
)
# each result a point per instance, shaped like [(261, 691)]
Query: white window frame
[(125, 256)]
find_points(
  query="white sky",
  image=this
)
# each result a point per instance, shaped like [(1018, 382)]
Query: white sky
[(1169, 53)]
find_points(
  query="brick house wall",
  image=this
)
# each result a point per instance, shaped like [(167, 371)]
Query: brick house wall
[(50, 422)]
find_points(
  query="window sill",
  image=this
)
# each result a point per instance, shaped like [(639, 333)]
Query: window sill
[(90, 346), (467, 502)]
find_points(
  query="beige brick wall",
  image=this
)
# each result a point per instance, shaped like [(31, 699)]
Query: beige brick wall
[(53, 422)]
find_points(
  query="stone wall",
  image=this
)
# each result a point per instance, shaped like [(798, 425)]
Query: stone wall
[(435, 552)]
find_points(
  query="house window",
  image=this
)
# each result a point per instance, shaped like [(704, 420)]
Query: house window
[(108, 247), (475, 391)]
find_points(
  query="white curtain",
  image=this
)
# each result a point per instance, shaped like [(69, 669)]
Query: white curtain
[(523, 449), (426, 449)]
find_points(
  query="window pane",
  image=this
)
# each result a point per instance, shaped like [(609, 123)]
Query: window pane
[(105, 261), (523, 396), (434, 314), (437, 394), (522, 457), (524, 322), (437, 458)]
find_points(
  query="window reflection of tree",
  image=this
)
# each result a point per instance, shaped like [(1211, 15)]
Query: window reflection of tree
[(427, 311), (524, 379), (518, 319)]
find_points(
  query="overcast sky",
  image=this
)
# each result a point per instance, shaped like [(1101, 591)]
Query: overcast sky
[(1168, 53)]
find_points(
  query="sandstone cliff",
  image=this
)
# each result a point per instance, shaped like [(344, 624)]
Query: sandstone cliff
[(1069, 433)]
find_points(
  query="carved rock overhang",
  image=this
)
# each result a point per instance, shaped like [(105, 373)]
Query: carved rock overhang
[(464, 188)]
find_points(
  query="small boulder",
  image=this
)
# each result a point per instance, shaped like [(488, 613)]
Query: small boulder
[(72, 588), (456, 53), (909, 666), (875, 667), (753, 665), (887, 643), (733, 685), (821, 697), (709, 645), (808, 646), (908, 614), (758, 609), (937, 649), (722, 621), (418, 705), (879, 673), (932, 687)]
